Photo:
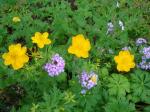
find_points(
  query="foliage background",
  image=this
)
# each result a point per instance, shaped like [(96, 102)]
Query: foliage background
[(32, 90)]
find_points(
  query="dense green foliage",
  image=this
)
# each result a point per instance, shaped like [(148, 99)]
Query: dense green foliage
[(31, 89)]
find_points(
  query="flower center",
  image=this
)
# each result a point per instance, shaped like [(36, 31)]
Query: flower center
[(55, 62), (124, 60), (14, 56), (94, 79)]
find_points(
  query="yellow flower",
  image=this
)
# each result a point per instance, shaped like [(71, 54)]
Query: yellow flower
[(16, 56), (41, 39), (94, 79), (80, 46), (16, 19), (125, 61)]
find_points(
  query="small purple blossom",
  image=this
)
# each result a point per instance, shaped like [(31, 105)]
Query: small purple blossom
[(88, 80), (83, 91), (140, 41), (121, 25), (110, 29), (146, 52), (145, 63), (56, 66)]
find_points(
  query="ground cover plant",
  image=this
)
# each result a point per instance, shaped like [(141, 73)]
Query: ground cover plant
[(74, 56)]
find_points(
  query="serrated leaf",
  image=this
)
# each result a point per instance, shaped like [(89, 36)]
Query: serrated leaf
[(119, 105), (118, 85), (140, 85)]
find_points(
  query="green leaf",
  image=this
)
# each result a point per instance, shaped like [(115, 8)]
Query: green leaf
[(140, 85), (147, 109), (104, 72), (119, 105), (118, 85), (51, 100)]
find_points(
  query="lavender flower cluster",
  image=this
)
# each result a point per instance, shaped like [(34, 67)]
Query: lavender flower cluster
[(88, 80), (145, 64), (146, 52), (56, 66), (111, 28), (140, 41)]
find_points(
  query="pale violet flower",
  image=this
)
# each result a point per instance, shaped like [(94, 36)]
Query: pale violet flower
[(88, 80), (121, 25), (117, 5), (83, 91), (110, 28), (145, 63), (55, 66), (140, 41)]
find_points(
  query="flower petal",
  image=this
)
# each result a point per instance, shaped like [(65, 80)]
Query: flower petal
[(45, 34)]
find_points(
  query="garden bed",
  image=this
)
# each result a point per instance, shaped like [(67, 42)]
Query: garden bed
[(74, 56)]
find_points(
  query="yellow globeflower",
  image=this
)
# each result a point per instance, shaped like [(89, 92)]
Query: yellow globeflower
[(41, 39), (16, 56), (16, 19), (80, 46), (125, 61)]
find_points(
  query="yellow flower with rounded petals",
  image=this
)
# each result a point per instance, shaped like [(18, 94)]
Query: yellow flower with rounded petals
[(125, 61), (16, 56), (80, 46), (16, 19), (41, 39)]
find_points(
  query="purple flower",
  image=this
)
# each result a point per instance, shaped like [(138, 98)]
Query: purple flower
[(140, 41), (110, 29), (83, 91), (146, 52), (145, 63), (56, 66), (88, 80)]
